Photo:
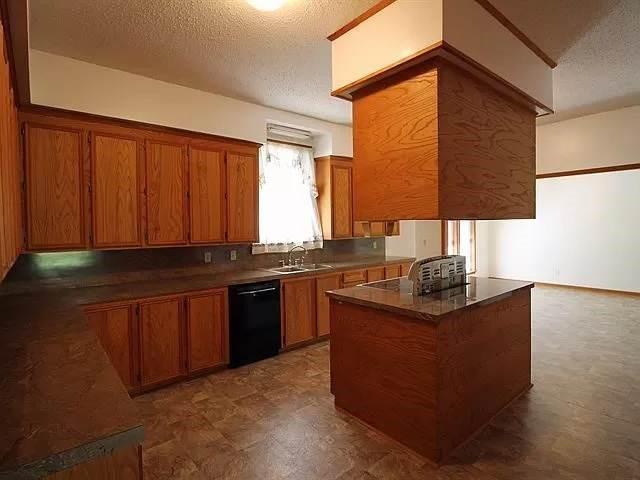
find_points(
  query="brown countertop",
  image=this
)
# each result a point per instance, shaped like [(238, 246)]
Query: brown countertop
[(62, 401), (478, 291)]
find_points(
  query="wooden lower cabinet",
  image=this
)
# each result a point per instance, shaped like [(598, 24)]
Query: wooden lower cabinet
[(116, 328), (353, 278), (404, 269), (375, 274), (207, 330), (123, 464), (162, 356), (392, 271), (298, 300), (324, 283)]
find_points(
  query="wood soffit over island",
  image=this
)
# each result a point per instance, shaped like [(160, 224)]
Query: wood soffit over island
[(483, 3)]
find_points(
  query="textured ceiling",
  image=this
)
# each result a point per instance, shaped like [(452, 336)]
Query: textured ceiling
[(282, 59)]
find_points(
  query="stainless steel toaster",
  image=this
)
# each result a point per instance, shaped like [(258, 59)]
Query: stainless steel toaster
[(437, 273)]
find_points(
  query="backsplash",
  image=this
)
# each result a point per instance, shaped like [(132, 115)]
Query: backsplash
[(105, 267)]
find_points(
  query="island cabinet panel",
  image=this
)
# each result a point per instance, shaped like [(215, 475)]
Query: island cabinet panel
[(115, 327), (392, 271), (242, 197), (116, 175), (207, 195), (375, 274), (383, 371), (123, 464), (166, 176), (341, 196), (161, 340), (324, 283), (484, 362), (207, 330), (298, 310), (54, 169)]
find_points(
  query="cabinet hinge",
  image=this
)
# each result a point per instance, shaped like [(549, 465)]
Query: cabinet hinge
[(22, 130), (89, 139), (138, 310), (90, 188)]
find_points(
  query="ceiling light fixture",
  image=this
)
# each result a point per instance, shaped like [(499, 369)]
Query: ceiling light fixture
[(266, 5)]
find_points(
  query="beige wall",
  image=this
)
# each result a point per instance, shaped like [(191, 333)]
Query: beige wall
[(71, 84), (600, 140)]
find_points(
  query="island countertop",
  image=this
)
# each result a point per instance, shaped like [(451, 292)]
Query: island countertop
[(431, 307)]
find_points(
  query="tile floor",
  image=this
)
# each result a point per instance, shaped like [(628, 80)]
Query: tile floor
[(275, 419)]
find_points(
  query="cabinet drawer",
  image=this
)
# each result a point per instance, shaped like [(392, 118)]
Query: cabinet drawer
[(392, 271), (375, 274), (354, 277)]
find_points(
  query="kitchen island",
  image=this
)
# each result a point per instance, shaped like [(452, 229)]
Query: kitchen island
[(430, 371)]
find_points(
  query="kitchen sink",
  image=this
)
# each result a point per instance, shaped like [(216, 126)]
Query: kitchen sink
[(299, 268)]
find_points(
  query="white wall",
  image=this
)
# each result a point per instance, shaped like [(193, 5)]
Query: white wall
[(587, 227), (71, 84)]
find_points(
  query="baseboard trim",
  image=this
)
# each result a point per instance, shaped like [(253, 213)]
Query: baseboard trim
[(577, 287)]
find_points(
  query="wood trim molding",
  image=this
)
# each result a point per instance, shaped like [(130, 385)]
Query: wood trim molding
[(516, 32), (587, 171), (360, 18), (121, 122)]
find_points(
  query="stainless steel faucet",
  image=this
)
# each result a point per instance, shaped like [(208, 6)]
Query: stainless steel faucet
[(292, 249)]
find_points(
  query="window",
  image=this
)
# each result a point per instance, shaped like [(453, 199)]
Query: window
[(459, 238), (288, 199)]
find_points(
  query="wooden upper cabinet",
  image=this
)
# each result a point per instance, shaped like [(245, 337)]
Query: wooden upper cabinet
[(115, 328), (325, 283), (55, 187), (341, 196), (116, 176), (242, 197), (334, 180), (207, 330), (206, 195), (161, 340), (166, 193), (299, 310)]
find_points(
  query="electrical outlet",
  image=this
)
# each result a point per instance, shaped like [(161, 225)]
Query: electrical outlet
[(233, 255), (207, 257), (375, 244)]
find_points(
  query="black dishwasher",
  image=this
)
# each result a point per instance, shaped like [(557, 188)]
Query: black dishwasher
[(254, 322)]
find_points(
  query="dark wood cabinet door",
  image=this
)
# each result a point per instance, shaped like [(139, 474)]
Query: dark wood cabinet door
[(207, 331), (206, 195), (299, 310), (115, 328), (116, 177), (166, 193), (341, 201), (161, 340), (55, 192), (242, 197), (324, 284)]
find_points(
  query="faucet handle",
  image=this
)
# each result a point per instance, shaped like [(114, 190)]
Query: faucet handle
[(282, 262)]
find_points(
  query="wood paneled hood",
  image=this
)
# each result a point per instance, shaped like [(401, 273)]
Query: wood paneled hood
[(445, 94)]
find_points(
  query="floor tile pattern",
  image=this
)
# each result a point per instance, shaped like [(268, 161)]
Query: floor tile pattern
[(275, 419)]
